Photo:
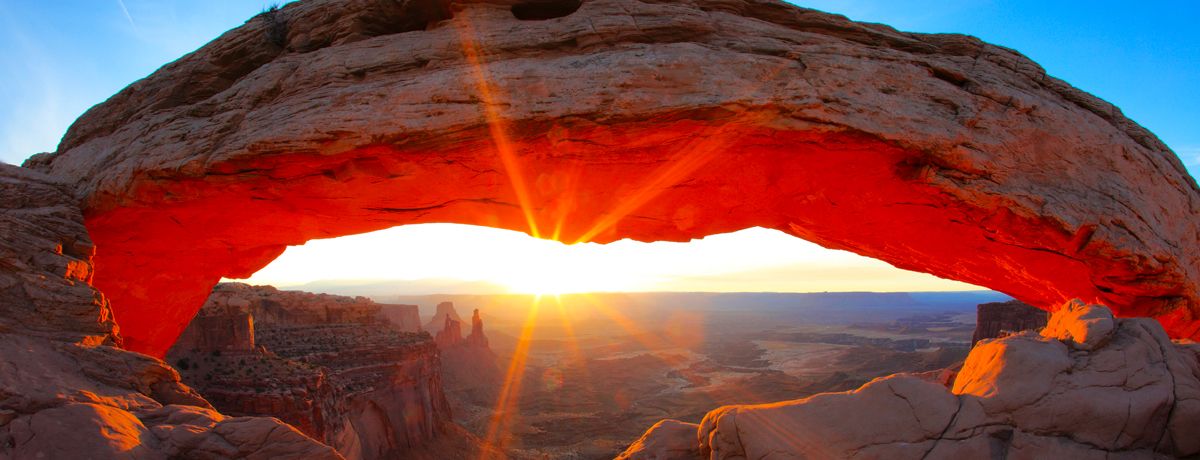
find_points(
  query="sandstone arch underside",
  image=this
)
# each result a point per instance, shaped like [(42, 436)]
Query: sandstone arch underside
[(625, 118)]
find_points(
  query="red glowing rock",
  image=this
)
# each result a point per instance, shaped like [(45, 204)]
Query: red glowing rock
[(625, 119)]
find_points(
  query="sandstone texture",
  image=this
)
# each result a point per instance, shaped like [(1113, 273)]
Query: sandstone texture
[(1090, 387), (995, 319), (332, 366), (608, 119), (65, 390)]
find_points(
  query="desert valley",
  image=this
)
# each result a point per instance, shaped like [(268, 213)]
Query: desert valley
[(593, 369)]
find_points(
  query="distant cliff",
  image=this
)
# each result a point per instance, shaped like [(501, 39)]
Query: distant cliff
[(333, 366), (995, 318), (406, 318), (444, 310)]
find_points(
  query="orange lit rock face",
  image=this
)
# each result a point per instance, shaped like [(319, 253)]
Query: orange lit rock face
[(624, 119)]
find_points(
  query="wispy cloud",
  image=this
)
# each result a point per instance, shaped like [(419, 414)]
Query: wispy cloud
[(125, 11)]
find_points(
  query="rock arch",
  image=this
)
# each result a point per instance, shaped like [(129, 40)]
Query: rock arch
[(625, 118)]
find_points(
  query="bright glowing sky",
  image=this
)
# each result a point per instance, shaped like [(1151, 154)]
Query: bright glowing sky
[(59, 58), (750, 260)]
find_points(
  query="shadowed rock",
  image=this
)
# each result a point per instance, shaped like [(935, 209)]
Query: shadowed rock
[(997, 318)]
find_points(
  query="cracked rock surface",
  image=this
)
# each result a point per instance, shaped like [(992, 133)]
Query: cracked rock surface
[(66, 390), (644, 119), (1111, 389)]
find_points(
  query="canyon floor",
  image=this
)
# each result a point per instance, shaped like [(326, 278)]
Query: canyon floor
[(601, 368)]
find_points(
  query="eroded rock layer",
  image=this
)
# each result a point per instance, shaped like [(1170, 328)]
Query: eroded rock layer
[(1088, 386), (332, 366), (65, 390), (612, 119)]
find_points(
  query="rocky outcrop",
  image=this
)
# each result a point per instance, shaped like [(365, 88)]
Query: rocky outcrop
[(610, 119), (1087, 386), (406, 318), (477, 338), (996, 318), (65, 390), (444, 310), (46, 264), (450, 334), (332, 366), (470, 367)]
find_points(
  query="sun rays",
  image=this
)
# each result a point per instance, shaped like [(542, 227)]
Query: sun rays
[(683, 160), (497, 125), (506, 403)]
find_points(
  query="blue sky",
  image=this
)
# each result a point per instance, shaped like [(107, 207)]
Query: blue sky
[(57, 58)]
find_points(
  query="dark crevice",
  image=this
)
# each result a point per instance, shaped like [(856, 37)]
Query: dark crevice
[(999, 443), (404, 16), (540, 10)]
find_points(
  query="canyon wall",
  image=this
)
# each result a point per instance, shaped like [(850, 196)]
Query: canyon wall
[(219, 329), (66, 389), (332, 366), (406, 318), (996, 318), (608, 119)]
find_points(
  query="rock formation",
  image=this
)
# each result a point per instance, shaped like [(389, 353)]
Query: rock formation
[(477, 338), (470, 367), (1087, 386), (609, 119), (406, 318), (996, 318), (450, 335), (444, 310), (329, 365), (66, 390)]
